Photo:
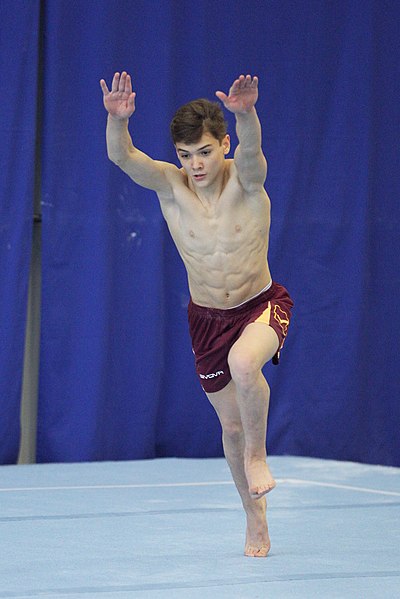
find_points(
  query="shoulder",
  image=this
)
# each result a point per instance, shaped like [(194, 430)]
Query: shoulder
[(176, 180), (251, 168), (173, 173), (234, 177), (254, 195)]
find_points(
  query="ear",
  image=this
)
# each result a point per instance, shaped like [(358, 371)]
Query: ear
[(226, 144), (176, 152)]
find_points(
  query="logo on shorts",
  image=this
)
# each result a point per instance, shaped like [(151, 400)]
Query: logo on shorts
[(281, 318), (212, 375)]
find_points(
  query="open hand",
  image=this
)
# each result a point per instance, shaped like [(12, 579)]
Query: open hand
[(120, 101), (242, 96)]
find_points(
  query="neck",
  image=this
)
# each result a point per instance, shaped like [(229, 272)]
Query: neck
[(212, 192)]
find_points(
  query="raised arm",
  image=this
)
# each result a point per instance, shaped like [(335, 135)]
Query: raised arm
[(249, 158), (120, 105)]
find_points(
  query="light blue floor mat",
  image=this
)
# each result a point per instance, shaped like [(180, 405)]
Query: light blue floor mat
[(174, 528)]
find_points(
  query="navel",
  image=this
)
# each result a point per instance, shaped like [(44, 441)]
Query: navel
[(191, 233), (227, 295)]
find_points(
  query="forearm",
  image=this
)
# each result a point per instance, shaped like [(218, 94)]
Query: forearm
[(249, 158), (141, 168), (248, 130), (119, 142)]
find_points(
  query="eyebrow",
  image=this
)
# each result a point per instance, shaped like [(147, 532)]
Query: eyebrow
[(199, 150)]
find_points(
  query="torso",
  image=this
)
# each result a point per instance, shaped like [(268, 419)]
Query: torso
[(224, 242)]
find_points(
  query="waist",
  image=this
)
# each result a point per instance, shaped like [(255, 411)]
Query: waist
[(252, 297), (262, 296)]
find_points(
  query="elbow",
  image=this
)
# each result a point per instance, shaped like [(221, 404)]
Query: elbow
[(111, 157), (119, 154), (115, 157)]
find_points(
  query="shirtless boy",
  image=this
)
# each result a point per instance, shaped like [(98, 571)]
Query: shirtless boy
[(218, 214)]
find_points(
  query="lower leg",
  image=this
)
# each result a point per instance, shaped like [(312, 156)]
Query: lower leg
[(257, 538), (225, 404), (255, 347), (253, 401)]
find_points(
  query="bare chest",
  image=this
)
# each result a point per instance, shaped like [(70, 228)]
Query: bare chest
[(223, 229)]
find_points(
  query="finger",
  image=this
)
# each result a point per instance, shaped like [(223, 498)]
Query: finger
[(104, 87), (122, 81), (254, 83), (221, 96), (131, 100), (115, 82), (248, 81), (128, 84), (237, 84)]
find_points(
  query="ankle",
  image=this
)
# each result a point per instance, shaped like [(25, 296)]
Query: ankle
[(254, 456)]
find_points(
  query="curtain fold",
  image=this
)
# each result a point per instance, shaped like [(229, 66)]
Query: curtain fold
[(18, 85)]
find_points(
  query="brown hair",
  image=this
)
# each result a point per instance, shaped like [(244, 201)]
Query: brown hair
[(195, 118)]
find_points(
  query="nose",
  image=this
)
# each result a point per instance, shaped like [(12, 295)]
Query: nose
[(196, 162)]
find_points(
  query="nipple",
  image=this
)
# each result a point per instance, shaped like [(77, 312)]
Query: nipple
[(191, 233), (238, 228)]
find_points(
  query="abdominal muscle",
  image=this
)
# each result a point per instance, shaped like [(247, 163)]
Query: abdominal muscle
[(223, 245), (216, 289), (225, 274)]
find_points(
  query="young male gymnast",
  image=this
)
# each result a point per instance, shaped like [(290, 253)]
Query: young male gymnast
[(218, 214)]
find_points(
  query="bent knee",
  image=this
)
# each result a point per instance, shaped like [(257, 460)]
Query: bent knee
[(245, 368)]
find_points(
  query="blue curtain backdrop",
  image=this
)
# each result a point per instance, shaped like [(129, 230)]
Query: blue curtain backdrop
[(117, 377), (18, 88)]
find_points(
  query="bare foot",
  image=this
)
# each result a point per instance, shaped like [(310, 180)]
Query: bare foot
[(258, 543), (259, 478)]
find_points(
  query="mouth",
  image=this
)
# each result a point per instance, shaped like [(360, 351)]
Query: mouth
[(199, 177)]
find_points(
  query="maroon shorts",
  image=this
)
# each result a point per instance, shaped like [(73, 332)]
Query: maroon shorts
[(214, 331)]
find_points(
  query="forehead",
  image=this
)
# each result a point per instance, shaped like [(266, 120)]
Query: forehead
[(206, 140)]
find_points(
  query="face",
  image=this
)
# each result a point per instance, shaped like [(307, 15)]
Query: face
[(204, 160)]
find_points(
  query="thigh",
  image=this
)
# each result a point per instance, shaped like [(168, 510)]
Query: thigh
[(257, 344)]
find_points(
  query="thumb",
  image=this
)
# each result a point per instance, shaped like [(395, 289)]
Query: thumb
[(221, 96)]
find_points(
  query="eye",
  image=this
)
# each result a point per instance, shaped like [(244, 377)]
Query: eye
[(205, 152), (184, 156)]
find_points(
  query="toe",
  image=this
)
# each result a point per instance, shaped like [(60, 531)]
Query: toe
[(251, 551)]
